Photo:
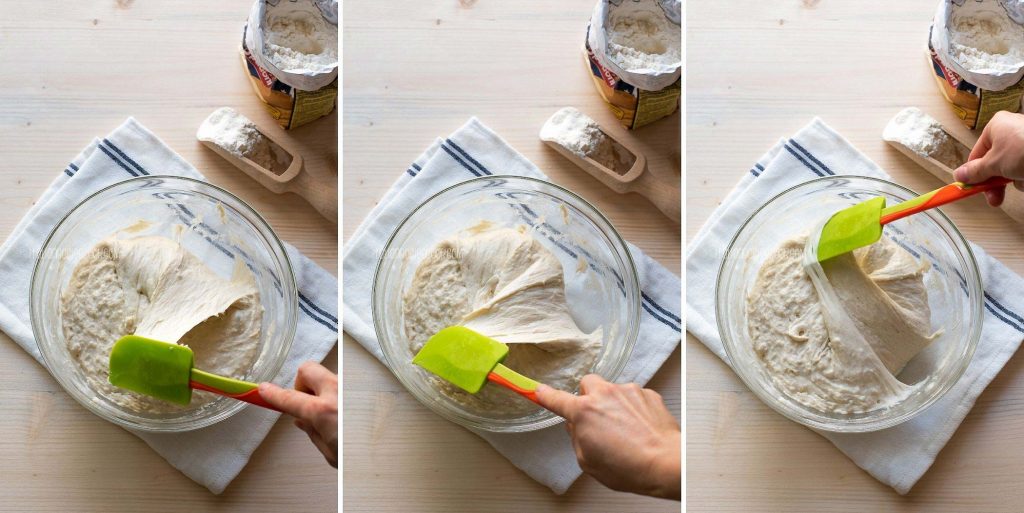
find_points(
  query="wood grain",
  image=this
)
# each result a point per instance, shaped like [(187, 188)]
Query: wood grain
[(762, 75), (74, 71), (415, 71)]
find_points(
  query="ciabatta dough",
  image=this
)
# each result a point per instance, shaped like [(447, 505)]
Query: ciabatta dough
[(504, 284), (152, 287), (838, 344)]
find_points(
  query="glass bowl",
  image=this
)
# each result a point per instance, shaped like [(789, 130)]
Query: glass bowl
[(605, 295), (209, 222), (953, 284)]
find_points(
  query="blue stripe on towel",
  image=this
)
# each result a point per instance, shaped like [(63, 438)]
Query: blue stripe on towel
[(118, 161), (803, 160), (812, 157), (468, 156), (459, 160), (124, 156)]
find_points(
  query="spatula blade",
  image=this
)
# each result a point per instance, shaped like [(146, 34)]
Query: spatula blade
[(461, 356), (151, 367), (851, 228)]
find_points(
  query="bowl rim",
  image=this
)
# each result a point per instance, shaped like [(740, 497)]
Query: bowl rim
[(631, 278), (288, 284), (868, 424)]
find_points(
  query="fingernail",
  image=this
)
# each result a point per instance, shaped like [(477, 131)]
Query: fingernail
[(264, 387), (959, 172)]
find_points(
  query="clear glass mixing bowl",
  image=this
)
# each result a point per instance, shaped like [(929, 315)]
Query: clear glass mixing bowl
[(606, 296), (953, 284), (208, 221)]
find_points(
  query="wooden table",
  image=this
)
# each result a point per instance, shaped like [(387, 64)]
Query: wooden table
[(762, 75), (418, 70), (74, 71)]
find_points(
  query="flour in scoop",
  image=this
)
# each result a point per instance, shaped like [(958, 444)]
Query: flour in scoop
[(925, 136), (233, 132), (152, 287), (578, 133), (640, 36)]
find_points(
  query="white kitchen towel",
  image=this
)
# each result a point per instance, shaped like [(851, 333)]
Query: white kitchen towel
[(212, 456), (898, 456), (474, 150)]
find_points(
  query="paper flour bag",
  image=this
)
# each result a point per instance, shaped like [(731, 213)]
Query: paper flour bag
[(290, 49), (977, 53), (634, 52)]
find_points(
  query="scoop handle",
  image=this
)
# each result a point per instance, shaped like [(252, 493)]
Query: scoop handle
[(945, 194), (228, 387), (514, 381)]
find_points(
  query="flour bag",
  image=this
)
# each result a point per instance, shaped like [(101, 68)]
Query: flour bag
[(976, 50), (634, 52), (290, 51)]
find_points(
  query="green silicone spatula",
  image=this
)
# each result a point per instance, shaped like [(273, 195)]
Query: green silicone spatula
[(861, 224), (468, 359), (163, 370)]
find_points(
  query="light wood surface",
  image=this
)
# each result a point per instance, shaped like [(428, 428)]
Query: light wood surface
[(759, 71), (74, 71), (418, 70)]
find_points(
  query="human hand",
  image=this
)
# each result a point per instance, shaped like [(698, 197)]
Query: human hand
[(624, 435), (313, 403), (999, 152)]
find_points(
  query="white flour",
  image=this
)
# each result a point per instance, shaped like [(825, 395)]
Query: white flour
[(640, 36), (984, 38), (581, 135), (300, 41), (232, 131), (924, 135)]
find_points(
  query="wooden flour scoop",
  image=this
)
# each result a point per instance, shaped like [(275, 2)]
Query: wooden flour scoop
[(1013, 202), (321, 192), (664, 194)]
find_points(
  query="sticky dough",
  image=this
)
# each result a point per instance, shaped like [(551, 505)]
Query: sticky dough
[(152, 287), (504, 284), (836, 338)]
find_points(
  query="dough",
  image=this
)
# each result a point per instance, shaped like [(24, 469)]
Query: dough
[(152, 287), (502, 283), (835, 339)]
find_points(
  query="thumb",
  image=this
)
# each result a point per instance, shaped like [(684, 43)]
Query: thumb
[(292, 402), (561, 403), (976, 170)]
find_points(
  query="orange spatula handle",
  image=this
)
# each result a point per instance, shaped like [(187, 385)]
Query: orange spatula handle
[(941, 196), (514, 381), (251, 396)]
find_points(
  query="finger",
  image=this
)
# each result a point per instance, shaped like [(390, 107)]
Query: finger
[(995, 196), (561, 403), (324, 448), (314, 377), (975, 171), (983, 145), (592, 383), (292, 402)]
